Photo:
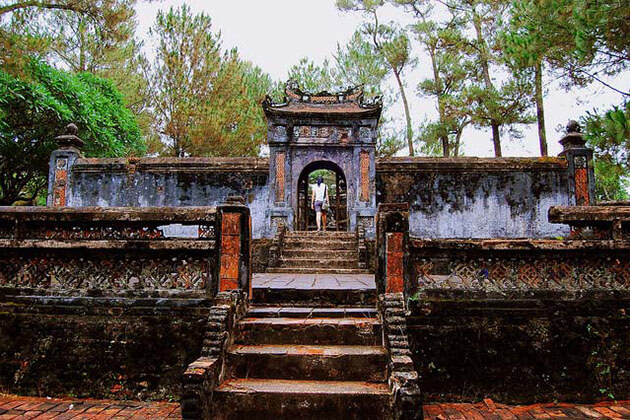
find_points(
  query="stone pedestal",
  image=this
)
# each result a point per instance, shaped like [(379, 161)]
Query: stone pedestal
[(580, 166)]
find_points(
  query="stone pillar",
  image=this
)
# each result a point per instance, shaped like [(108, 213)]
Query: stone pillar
[(392, 247), (234, 226), (580, 166), (60, 166)]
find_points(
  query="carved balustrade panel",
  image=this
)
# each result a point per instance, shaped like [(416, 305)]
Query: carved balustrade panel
[(576, 273), (103, 271)]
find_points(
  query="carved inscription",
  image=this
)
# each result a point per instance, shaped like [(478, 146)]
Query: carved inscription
[(59, 186), (230, 251), (280, 177), (394, 267), (364, 163)]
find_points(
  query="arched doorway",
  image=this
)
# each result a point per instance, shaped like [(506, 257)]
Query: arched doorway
[(337, 213)]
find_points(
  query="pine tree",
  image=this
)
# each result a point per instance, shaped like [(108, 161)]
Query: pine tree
[(392, 44)]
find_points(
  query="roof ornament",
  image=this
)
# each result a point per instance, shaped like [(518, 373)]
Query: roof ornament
[(70, 139), (348, 100), (573, 139)]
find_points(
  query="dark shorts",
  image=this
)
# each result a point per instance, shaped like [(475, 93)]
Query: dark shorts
[(318, 205)]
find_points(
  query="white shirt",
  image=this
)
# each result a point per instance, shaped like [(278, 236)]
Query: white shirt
[(320, 191)]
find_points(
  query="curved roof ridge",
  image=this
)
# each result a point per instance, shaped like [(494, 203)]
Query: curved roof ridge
[(296, 100)]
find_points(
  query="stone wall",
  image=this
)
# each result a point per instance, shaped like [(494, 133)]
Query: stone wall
[(521, 320), (171, 182), (122, 348), (524, 346), (476, 197), (106, 302), (449, 197)]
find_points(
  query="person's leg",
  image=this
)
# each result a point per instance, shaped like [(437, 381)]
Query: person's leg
[(324, 220), (318, 219)]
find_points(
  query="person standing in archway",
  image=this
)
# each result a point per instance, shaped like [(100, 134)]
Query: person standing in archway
[(319, 202)]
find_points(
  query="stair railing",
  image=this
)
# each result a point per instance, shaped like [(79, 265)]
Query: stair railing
[(275, 251), (361, 247)]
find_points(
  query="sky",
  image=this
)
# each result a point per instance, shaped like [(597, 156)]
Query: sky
[(275, 34)]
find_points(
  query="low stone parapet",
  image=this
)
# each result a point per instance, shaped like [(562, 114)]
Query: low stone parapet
[(595, 222), (520, 264), (122, 251)]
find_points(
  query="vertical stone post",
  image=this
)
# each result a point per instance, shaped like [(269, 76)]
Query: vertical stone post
[(60, 166), (392, 247), (580, 166), (234, 227)]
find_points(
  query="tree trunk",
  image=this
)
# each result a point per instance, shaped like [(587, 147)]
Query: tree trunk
[(496, 139), (458, 138), (540, 110), (438, 93), (407, 113), (82, 64), (485, 67), (41, 4)]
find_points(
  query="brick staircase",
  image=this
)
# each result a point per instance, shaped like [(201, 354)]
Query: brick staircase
[(291, 359), (328, 252)]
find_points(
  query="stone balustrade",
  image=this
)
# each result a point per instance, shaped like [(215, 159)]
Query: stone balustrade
[(123, 251), (520, 264), (595, 222)]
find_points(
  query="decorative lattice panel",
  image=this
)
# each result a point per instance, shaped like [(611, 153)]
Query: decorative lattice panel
[(59, 272), (542, 273)]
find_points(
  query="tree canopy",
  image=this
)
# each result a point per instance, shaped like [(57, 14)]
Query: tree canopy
[(608, 133), (206, 100), (484, 63), (36, 107)]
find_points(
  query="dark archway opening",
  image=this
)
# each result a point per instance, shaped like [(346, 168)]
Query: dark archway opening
[(337, 213)]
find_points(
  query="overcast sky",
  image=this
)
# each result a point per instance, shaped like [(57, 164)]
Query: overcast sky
[(275, 34)]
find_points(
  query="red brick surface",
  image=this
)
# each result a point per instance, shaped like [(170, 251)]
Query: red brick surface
[(17, 407), (394, 281), (488, 409), (581, 187), (230, 251)]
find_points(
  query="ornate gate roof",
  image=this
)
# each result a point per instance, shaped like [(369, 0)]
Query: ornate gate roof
[(348, 103)]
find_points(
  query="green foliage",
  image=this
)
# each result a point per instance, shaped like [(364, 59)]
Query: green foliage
[(206, 101), (450, 71), (609, 136), (357, 63), (391, 43), (580, 39), (312, 77), (94, 36), (35, 107)]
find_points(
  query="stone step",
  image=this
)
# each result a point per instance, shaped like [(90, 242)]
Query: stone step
[(310, 312), (317, 270), (308, 362), (322, 331), (320, 243), (318, 263), (312, 233), (314, 297), (276, 399), (350, 254)]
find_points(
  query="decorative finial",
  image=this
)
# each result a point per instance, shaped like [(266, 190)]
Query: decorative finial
[(72, 129), (573, 139), (573, 127), (70, 138)]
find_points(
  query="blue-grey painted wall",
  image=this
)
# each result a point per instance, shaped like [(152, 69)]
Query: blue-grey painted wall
[(449, 198), (171, 182), (476, 198)]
